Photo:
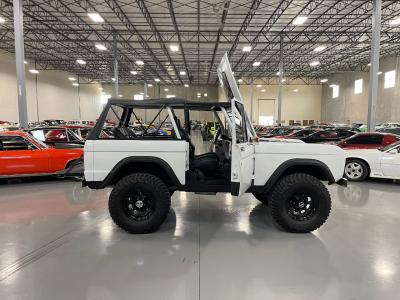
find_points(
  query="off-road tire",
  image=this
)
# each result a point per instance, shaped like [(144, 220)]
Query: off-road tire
[(262, 197), (363, 167), (158, 193), (286, 191)]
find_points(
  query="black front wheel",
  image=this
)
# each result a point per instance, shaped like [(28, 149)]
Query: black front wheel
[(300, 203), (139, 203)]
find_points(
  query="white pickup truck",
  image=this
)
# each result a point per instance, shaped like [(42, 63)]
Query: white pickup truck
[(145, 167)]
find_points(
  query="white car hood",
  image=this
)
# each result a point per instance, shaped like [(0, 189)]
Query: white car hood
[(276, 140)]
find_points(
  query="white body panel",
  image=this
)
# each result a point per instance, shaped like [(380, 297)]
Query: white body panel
[(270, 155), (105, 154), (382, 164)]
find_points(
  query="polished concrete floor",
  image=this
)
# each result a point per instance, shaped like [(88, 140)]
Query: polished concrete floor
[(58, 242)]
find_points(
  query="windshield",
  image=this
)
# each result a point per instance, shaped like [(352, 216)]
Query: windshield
[(384, 149), (37, 141)]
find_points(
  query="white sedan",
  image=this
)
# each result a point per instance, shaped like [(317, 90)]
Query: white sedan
[(376, 163)]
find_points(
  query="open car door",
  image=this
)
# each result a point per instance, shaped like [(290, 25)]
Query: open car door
[(242, 160)]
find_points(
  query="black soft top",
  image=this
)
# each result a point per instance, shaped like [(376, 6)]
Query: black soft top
[(171, 102)]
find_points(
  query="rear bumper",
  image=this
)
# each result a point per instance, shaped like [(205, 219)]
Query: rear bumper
[(342, 182)]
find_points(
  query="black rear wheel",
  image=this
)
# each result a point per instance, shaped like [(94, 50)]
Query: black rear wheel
[(300, 203), (139, 203)]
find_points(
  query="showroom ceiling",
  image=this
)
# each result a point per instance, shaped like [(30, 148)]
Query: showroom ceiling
[(181, 42)]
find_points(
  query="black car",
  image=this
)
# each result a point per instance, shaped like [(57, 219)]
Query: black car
[(393, 130), (60, 137), (324, 136)]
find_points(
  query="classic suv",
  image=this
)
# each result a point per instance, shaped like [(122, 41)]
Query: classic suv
[(23, 155), (324, 136), (368, 141), (377, 163), (145, 170)]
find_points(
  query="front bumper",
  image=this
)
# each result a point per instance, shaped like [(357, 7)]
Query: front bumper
[(342, 182)]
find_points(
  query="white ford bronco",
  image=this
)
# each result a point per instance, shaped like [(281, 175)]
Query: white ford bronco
[(146, 163)]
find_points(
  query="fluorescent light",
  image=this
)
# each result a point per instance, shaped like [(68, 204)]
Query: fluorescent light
[(186, 85), (247, 48), (256, 64), (75, 84), (278, 73), (25, 62), (141, 93), (198, 96), (182, 73), (120, 95), (113, 79), (134, 72), (2, 20), (81, 61), (140, 62), (333, 85), (314, 63), (320, 48), (95, 17), (171, 96), (166, 90), (295, 90), (258, 85), (101, 47), (395, 21), (150, 85), (205, 94), (283, 79), (299, 20), (369, 65), (101, 89), (156, 79), (34, 71), (240, 80), (174, 48), (379, 73), (324, 80), (263, 90), (72, 78)]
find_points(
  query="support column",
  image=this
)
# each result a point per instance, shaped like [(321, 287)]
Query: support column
[(251, 95), (374, 69), (116, 82), (145, 92), (19, 62), (280, 83)]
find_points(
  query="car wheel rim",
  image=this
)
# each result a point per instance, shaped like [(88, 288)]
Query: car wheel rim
[(301, 206), (139, 205), (354, 170)]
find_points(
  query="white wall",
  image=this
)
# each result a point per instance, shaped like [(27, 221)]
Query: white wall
[(49, 94), (349, 107), (302, 105)]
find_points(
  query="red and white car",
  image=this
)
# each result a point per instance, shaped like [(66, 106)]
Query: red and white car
[(23, 155), (369, 140)]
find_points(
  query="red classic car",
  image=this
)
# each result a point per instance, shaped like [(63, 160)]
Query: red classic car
[(369, 140), (23, 155)]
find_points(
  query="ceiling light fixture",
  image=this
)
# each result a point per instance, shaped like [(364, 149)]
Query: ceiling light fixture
[(113, 79), (25, 62), (75, 84), (166, 90), (295, 90), (101, 47), (256, 63), (324, 80), (134, 72), (150, 85), (81, 61), (395, 21), (174, 48), (320, 48), (140, 62), (2, 20), (34, 71), (120, 95), (156, 79), (186, 85), (182, 73), (205, 94), (247, 48), (95, 17), (314, 63), (263, 90), (299, 20), (72, 78), (258, 85)]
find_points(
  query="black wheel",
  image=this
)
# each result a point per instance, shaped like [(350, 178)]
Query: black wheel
[(299, 203), (356, 170), (139, 203), (262, 197)]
